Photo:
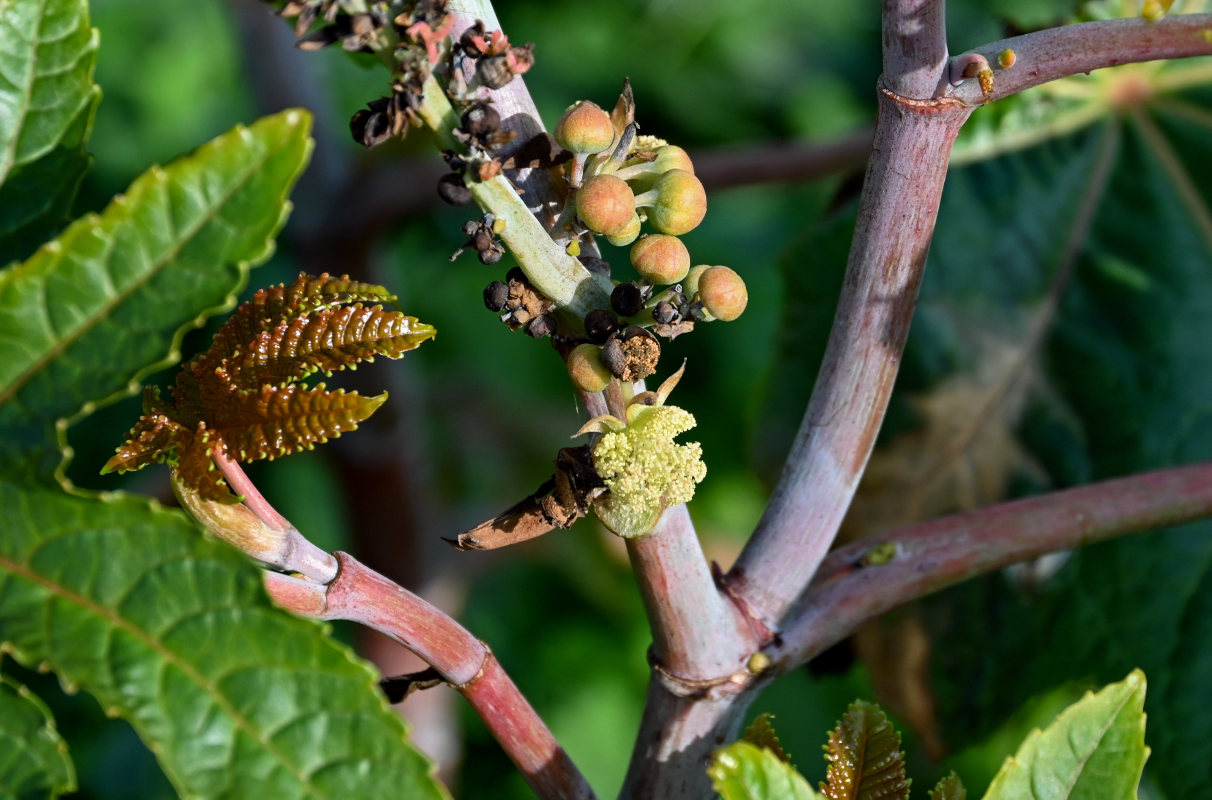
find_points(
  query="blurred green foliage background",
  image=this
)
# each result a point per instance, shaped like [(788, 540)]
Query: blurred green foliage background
[(478, 414)]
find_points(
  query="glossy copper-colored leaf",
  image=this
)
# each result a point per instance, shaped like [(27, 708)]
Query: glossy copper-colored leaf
[(949, 788), (865, 758), (326, 340), (761, 733), (242, 396), (150, 441), (276, 421), (197, 470), (275, 304)]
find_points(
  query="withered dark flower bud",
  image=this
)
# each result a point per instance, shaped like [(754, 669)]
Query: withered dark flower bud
[(470, 227), (482, 239), (596, 265), (664, 312), (627, 299), (540, 327), (496, 295), (371, 126), (467, 41), (452, 189), (319, 38), (613, 357), (492, 254), (600, 324), (494, 71), (481, 120)]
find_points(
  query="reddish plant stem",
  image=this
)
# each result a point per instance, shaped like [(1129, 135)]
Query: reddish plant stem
[(937, 554), (361, 595), (1072, 49), (896, 219), (696, 632)]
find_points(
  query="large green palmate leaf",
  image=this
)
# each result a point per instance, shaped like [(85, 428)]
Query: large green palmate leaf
[(1095, 750), (47, 102), (1128, 359), (1067, 292), (33, 757), (173, 632), (106, 302)]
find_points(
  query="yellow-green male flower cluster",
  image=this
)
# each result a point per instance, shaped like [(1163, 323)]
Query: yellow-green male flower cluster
[(644, 470)]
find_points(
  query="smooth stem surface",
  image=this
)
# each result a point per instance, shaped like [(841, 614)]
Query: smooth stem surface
[(896, 219), (696, 632), (1072, 49), (915, 46), (937, 554), (362, 595)]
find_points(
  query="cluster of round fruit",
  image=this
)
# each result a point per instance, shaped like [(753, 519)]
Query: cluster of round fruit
[(618, 182)]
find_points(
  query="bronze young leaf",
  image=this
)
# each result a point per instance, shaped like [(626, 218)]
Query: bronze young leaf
[(242, 396)]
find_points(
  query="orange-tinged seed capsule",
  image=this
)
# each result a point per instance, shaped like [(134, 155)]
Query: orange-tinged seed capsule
[(723, 293), (661, 258), (584, 129), (605, 204)]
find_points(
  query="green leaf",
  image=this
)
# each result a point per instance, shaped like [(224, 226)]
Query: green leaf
[(83, 319), (1095, 750), (47, 103), (236, 698), (744, 771), (949, 788), (865, 758), (1125, 383), (33, 757)]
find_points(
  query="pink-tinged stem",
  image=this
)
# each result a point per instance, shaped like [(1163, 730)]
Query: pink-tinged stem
[(896, 219), (696, 631), (1071, 49), (292, 551), (934, 555), (236, 478), (362, 595)]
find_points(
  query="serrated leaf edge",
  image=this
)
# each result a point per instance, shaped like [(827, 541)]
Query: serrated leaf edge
[(49, 728), (294, 118), (238, 719)]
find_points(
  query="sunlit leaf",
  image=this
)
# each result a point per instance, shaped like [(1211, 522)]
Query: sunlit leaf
[(109, 299), (173, 632), (744, 771), (241, 397), (1095, 750), (47, 102), (865, 758)]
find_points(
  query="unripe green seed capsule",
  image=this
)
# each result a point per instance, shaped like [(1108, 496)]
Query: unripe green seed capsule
[(678, 202), (605, 204), (586, 369), (661, 259), (628, 234), (584, 129)]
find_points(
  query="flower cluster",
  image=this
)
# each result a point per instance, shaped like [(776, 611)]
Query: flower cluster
[(644, 469)]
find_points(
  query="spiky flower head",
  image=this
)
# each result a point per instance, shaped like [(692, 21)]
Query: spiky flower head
[(644, 469)]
